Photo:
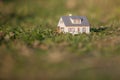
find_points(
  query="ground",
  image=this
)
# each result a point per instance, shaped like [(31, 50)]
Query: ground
[(31, 49)]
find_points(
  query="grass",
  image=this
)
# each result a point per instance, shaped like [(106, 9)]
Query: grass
[(30, 47)]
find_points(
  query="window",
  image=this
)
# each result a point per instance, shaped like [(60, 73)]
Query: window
[(76, 21), (71, 29)]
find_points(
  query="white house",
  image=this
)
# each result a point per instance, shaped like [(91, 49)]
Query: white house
[(74, 24)]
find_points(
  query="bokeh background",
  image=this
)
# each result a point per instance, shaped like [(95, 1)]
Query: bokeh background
[(31, 49)]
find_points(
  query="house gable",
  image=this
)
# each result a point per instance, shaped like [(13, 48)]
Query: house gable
[(61, 23)]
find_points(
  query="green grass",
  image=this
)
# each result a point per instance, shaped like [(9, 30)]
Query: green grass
[(30, 47)]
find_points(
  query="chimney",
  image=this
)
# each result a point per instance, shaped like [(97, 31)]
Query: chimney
[(70, 14)]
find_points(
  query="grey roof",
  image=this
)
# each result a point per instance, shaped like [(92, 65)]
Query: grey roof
[(67, 21)]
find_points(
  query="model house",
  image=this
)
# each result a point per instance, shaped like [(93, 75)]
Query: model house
[(73, 24)]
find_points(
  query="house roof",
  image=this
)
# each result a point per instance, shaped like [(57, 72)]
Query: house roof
[(67, 21)]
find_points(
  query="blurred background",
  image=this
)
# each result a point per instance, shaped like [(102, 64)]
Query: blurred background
[(31, 49)]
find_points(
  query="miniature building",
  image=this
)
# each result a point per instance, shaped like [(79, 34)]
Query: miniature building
[(74, 24)]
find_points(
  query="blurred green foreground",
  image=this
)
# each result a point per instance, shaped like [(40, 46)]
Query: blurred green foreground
[(31, 49)]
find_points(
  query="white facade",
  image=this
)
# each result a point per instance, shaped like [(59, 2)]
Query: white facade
[(75, 30)]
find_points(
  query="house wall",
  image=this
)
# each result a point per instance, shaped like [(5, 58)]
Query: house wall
[(87, 29)]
